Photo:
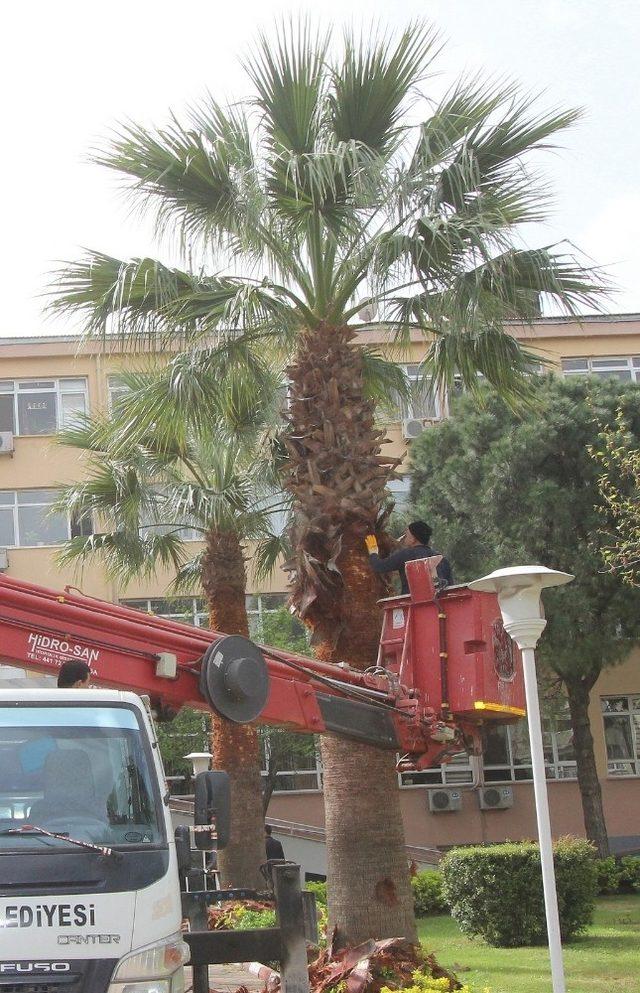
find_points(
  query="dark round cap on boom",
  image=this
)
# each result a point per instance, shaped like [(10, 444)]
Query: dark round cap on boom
[(234, 678)]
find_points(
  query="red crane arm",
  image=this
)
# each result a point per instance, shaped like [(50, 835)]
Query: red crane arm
[(400, 704)]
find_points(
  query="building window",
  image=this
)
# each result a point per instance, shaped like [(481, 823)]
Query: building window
[(424, 403), (300, 769), (456, 772), (193, 609), (187, 610), (41, 406), (27, 520), (507, 756), (259, 604), (399, 490), (623, 367), (117, 389), (621, 716), (155, 520)]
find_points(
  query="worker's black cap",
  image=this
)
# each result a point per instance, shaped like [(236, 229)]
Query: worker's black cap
[(420, 531)]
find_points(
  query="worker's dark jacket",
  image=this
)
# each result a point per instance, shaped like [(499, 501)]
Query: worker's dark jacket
[(396, 562), (274, 848)]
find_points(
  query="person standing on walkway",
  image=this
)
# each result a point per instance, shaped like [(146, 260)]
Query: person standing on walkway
[(272, 845)]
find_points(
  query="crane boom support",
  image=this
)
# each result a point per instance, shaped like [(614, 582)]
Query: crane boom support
[(437, 678)]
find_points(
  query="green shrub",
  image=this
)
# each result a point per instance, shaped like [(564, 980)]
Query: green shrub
[(245, 919), (320, 890), (619, 875), (496, 891), (630, 874), (608, 875), (428, 897), (423, 983)]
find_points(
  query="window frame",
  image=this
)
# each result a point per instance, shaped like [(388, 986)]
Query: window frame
[(400, 492), (115, 389), (635, 734), (314, 773), (198, 615), (57, 390), (405, 408), (460, 773), (632, 366), (15, 507)]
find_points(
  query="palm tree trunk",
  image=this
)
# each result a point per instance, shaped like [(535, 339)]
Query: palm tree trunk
[(590, 791), (235, 747), (338, 477)]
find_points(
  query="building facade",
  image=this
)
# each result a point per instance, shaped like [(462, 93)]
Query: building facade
[(45, 382)]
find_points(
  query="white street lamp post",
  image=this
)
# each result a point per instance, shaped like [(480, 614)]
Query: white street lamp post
[(519, 592), (199, 761)]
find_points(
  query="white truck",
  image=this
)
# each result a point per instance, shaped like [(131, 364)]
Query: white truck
[(89, 882)]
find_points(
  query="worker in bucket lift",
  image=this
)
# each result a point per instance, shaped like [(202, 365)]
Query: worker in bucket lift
[(415, 545)]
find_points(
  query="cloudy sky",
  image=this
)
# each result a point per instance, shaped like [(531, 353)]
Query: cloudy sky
[(71, 70)]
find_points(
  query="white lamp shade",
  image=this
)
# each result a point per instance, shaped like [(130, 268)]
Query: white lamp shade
[(199, 761), (519, 591), (520, 576)]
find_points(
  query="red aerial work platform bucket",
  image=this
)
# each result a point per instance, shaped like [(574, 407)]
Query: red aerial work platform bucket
[(452, 647)]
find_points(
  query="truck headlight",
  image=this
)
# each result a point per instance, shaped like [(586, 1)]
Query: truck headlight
[(154, 969)]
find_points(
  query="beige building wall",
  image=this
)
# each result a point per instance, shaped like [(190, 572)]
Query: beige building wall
[(38, 462)]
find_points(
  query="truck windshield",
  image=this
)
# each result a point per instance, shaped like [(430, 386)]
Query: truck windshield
[(80, 770)]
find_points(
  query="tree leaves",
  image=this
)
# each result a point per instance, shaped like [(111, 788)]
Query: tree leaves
[(500, 489)]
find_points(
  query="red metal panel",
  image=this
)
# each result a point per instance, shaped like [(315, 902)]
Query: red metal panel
[(458, 649), (485, 669)]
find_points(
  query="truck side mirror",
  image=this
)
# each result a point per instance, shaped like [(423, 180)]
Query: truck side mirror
[(212, 808), (183, 849)]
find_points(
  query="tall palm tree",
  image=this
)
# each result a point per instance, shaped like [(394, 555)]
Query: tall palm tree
[(163, 470), (340, 190)]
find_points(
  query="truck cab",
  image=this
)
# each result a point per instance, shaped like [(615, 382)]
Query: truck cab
[(89, 887)]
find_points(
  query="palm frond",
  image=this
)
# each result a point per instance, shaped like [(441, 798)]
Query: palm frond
[(372, 84), (188, 578), (476, 357), (268, 553), (288, 73), (512, 286), (198, 180), (127, 554), (469, 103), (489, 154), (88, 433), (385, 382), (135, 297)]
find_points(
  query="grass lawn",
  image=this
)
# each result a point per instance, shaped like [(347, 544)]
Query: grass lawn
[(606, 958)]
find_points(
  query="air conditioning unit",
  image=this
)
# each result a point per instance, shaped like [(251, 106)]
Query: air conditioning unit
[(4, 560), (6, 443), (443, 801), (412, 427), (495, 798)]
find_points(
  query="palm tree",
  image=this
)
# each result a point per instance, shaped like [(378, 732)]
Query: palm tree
[(341, 190), (161, 471)]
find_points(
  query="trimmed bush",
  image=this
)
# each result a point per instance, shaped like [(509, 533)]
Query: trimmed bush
[(619, 875), (496, 891), (428, 896), (630, 874), (608, 875)]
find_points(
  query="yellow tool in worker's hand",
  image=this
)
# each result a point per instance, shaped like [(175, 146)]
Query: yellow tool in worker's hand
[(372, 544)]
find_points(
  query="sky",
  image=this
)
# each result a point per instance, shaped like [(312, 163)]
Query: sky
[(71, 71)]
